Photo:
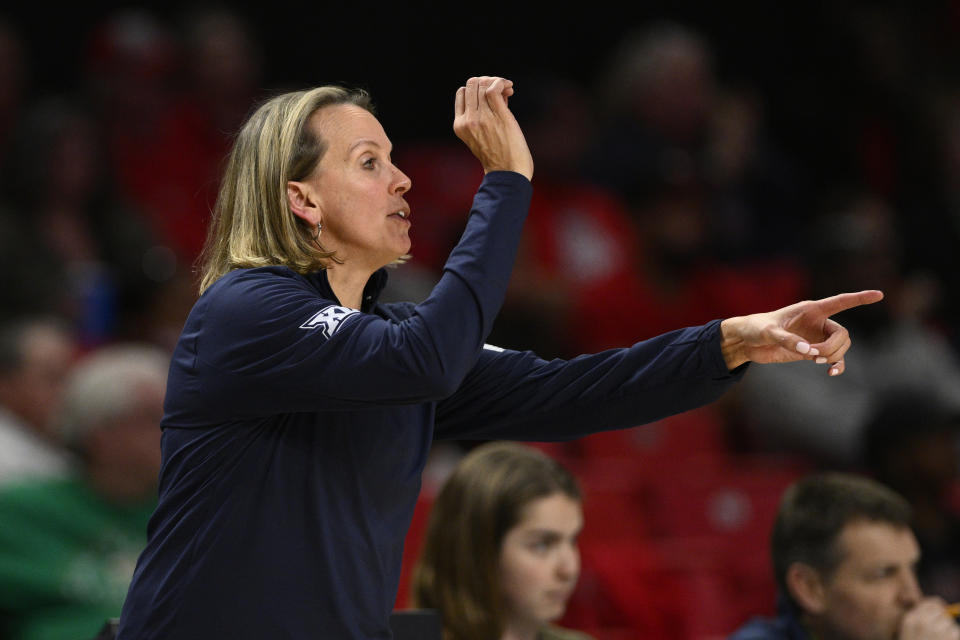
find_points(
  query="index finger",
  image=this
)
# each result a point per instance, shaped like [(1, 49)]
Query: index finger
[(844, 301), (496, 95)]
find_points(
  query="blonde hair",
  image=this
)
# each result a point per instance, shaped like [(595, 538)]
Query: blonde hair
[(458, 569), (251, 224)]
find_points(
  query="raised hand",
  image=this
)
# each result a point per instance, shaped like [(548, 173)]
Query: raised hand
[(929, 620), (802, 331), (485, 123)]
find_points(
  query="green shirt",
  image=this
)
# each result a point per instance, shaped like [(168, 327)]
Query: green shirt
[(66, 558)]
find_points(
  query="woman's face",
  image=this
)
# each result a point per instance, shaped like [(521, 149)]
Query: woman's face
[(358, 189), (540, 562)]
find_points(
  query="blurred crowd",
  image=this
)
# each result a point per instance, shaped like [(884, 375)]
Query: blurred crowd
[(668, 192)]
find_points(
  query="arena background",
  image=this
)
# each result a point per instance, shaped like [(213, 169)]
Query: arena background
[(855, 97)]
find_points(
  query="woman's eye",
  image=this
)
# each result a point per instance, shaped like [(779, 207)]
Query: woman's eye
[(369, 163)]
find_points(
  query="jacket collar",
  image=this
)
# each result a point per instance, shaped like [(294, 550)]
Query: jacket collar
[(371, 292)]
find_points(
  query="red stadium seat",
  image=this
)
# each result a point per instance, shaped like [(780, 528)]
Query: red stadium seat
[(682, 589), (411, 549), (690, 434), (678, 551), (736, 501)]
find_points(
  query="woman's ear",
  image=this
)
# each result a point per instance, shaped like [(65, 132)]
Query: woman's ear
[(302, 202), (807, 588)]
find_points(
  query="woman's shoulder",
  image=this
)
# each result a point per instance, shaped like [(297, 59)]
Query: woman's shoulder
[(243, 277), (246, 285), (254, 296), (558, 633)]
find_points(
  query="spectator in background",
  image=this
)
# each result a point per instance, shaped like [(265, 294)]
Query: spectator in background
[(854, 244), (178, 180), (35, 357), (658, 93), (673, 128), (844, 558), (128, 69), (675, 280), (757, 195), (224, 61), (168, 143), (500, 556), (129, 61), (931, 225), (68, 546), (71, 246), (702, 183), (910, 444)]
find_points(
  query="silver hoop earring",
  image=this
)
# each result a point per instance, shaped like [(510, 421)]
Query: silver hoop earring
[(316, 238)]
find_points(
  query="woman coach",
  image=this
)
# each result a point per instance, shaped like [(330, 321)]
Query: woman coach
[(299, 410)]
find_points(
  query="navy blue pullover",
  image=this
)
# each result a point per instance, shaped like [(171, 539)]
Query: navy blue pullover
[(295, 432)]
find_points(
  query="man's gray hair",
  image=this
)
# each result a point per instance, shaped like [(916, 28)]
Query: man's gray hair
[(103, 386)]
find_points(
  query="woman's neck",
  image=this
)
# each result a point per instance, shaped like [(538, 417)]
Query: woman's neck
[(348, 284)]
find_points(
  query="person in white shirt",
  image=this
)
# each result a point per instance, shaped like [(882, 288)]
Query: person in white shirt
[(35, 358)]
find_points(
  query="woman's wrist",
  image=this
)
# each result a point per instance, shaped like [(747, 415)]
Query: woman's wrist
[(732, 343)]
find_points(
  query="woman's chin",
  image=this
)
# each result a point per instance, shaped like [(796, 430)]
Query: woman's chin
[(402, 256)]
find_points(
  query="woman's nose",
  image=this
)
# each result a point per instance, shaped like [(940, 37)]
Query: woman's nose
[(402, 183)]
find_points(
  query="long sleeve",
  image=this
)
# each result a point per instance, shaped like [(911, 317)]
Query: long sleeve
[(265, 341), (516, 395)]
